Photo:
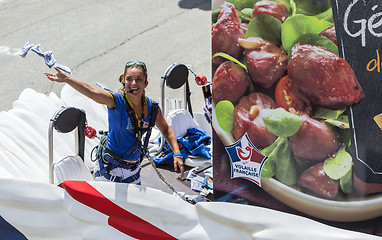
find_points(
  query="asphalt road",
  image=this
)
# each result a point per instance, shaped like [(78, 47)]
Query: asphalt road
[(96, 38)]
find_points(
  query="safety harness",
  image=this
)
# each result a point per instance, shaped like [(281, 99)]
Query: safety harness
[(108, 160)]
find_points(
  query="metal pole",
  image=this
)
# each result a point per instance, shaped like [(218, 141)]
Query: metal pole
[(50, 147), (163, 107), (163, 100)]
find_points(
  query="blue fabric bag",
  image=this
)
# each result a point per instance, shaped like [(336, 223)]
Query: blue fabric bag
[(193, 143)]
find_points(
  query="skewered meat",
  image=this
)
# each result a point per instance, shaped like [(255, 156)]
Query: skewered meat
[(272, 8), (225, 33), (314, 141), (266, 64), (330, 33), (230, 82), (324, 78), (363, 188), (317, 182), (245, 122)]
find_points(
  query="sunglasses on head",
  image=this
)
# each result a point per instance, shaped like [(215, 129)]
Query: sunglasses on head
[(135, 63)]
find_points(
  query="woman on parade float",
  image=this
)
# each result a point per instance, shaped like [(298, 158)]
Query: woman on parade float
[(121, 155)]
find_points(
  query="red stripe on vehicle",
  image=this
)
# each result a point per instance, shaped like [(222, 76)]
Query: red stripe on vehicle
[(119, 218)]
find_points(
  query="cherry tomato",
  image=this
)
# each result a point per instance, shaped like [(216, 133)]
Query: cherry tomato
[(287, 99)]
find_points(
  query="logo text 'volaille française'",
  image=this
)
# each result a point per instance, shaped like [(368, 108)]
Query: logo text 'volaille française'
[(246, 160)]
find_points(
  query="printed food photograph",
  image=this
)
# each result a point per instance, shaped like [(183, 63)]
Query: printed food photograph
[(278, 78)]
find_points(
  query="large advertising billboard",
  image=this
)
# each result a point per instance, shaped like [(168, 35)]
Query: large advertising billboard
[(296, 107)]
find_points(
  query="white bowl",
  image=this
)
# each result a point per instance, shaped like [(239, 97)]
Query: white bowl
[(349, 210)]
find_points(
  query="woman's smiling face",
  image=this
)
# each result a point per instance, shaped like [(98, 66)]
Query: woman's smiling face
[(135, 79)]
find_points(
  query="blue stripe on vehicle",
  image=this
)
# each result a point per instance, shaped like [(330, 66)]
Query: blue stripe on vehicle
[(7, 231)]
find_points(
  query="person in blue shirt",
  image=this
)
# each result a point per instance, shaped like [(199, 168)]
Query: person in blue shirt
[(120, 156)]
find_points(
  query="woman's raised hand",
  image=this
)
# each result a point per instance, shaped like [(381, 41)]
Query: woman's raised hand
[(57, 77)]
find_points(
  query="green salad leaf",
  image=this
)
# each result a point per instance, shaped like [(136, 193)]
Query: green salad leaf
[(346, 182), (325, 113), (245, 14), (345, 136), (311, 7), (266, 27), (341, 122), (326, 15), (281, 122), (298, 25), (286, 170), (269, 167), (289, 4), (280, 163), (292, 7), (333, 117), (338, 166), (224, 112), (215, 15), (227, 56), (268, 150), (318, 40)]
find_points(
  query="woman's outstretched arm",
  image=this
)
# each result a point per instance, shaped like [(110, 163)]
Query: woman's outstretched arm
[(97, 95)]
